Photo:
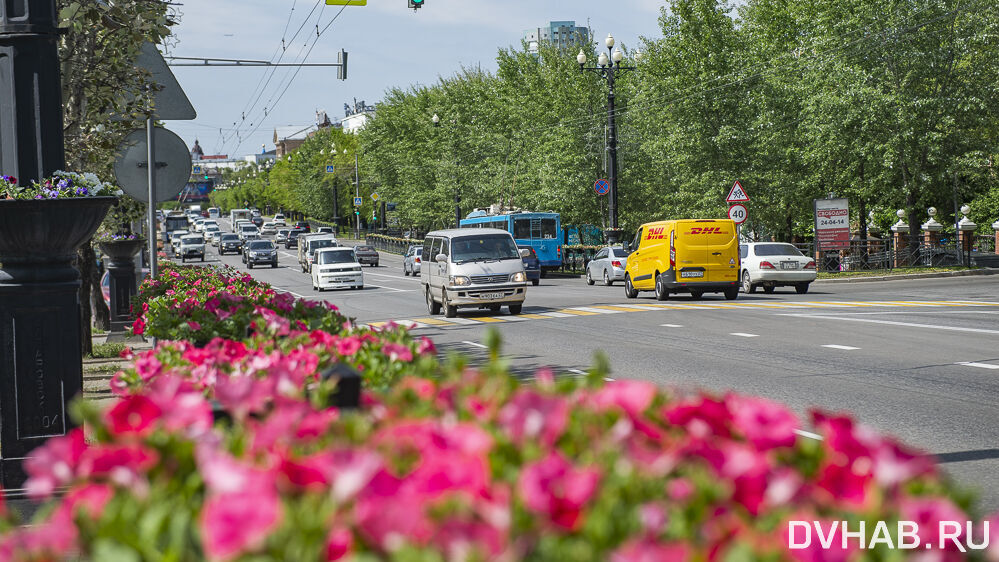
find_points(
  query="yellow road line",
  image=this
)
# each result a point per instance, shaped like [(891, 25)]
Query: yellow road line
[(619, 308), (535, 316), (577, 312), (432, 321), (488, 319)]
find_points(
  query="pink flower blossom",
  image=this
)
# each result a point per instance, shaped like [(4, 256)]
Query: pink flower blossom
[(88, 498), (238, 523), (679, 489), (633, 397), (133, 415), (765, 424), (54, 464), (704, 417), (426, 347), (397, 352), (243, 394), (348, 346), (530, 415), (554, 488), (193, 325), (139, 326), (339, 543)]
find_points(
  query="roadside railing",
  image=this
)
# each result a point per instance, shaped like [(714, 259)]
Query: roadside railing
[(575, 258), (391, 244)]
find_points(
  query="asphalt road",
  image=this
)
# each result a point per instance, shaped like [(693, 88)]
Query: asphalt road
[(918, 359)]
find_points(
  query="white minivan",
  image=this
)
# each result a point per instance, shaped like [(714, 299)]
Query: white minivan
[(479, 267)]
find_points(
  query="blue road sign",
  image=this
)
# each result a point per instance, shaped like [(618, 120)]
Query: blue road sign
[(601, 187), (329, 169), (197, 169), (358, 201)]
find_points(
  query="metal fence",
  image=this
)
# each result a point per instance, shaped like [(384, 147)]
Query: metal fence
[(876, 254), (391, 244)]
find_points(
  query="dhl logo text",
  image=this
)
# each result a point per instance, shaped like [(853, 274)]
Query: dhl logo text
[(656, 233), (708, 230)]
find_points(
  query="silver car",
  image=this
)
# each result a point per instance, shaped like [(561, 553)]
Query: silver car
[(282, 236), (608, 265), (411, 263)]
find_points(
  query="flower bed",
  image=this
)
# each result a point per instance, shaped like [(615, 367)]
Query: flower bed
[(469, 466), (61, 185), (202, 303)]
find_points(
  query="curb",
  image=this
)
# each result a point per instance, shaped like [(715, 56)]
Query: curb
[(942, 274)]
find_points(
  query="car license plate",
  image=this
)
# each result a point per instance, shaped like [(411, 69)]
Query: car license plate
[(691, 274), (788, 265), (491, 295)]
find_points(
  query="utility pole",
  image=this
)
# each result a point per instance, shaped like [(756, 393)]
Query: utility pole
[(357, 193)]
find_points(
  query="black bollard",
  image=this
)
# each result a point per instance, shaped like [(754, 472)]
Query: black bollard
[(123, 281)]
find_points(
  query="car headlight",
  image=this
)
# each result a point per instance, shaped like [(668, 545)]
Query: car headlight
[(518, 277), (460, 280)]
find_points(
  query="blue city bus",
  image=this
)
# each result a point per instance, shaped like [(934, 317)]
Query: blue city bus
[(541, 231)]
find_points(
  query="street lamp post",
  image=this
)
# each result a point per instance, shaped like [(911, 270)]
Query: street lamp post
[(609, 65), (457, 194)]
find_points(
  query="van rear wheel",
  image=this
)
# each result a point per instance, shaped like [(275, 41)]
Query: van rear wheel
[(732, 294), (661, 292), (629, 289)]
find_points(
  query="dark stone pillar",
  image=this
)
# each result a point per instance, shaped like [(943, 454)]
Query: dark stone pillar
[(31, 139), (123, 281)]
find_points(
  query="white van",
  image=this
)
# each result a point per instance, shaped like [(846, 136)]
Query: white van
[(479, 267), (307, 246)]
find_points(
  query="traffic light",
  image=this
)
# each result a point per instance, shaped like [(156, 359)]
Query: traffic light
[(341, 59), (416, 4)]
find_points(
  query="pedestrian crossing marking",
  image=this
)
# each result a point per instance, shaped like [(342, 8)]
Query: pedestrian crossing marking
[(597, 310)]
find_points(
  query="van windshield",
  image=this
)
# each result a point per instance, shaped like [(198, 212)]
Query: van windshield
[(484, 247), (316, 244), (340, 256)]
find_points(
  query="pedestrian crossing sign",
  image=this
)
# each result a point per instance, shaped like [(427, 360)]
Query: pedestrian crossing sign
[(357, 201), (330, 169)]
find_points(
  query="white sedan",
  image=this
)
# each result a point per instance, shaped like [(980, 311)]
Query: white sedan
[(775, 264), (268, 228), (607, 265), (336, 268)]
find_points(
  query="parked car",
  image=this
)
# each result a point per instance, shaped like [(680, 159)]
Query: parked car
[(268, 228), (292, 240), (775, 264), (336, 268), (411, 263), (304, 226), (229, 243), (191, 246), (260, 252), (281, 236), (608, 265), (532, 265), (480, 267), (366, 255)]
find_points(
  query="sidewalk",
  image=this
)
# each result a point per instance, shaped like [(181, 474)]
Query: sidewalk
[(966, 273)]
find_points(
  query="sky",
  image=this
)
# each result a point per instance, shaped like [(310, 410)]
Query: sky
[(389, 46)]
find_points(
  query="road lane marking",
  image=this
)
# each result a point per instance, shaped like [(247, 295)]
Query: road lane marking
[(615, 308), (638, 307), (597, 310), (671, 325), (535, 316), (462, 321), (431, 321), (575, 312), (488, 319), (744, 335), (843, 347), (555, 315), (893, 323), (474, 344), (979, 365), (808, 434), (390, 288)]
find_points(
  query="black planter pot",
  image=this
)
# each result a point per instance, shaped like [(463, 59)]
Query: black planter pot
[(41, 365), (123, 282)]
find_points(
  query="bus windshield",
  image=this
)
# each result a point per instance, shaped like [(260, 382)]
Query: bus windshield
[(484, 247)]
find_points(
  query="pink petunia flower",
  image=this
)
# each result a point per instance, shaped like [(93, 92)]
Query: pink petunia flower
[(531, 415), (238, 523), (133, 415), (552, 487)]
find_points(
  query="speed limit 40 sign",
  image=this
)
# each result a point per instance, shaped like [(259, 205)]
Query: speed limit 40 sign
[(738, 213)]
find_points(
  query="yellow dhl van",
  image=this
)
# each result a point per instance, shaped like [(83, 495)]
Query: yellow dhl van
[(693, 256)]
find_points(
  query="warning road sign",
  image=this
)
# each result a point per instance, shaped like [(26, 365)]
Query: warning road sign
[(737, 194)]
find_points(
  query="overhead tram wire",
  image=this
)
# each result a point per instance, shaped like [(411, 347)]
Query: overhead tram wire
[(268, 105), (283, 48), (297, 70)]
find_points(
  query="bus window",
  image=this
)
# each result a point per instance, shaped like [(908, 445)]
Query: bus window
[(548, 229), (522, 228)]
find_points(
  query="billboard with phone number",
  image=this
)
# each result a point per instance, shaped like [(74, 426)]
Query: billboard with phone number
[(832, 224)]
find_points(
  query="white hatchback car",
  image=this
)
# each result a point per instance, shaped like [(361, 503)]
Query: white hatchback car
[(775, 264), (336, 268), (607, 265)]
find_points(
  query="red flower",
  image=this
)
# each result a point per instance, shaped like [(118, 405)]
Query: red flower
[(339, 543), (554, 488), (133, 415), (139, 326)]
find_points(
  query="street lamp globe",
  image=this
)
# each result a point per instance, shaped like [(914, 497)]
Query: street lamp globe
[(609, 41), (900, 214), (581, 58), (932, 211), (965, 210), (436, 119), (617, 56), (602, 60), (638, 55)]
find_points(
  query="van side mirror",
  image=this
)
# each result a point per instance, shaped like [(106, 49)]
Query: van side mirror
[(441, 258), (525, 253)]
